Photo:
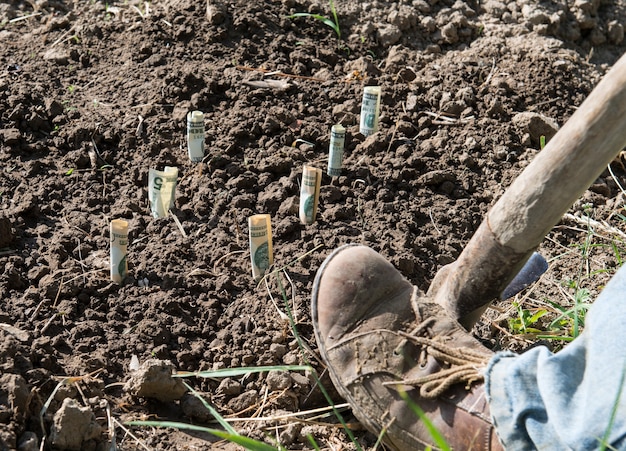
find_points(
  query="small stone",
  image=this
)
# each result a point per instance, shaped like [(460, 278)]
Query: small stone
[(388, 35), (535, 15), (470, 143), (452, 107), (615, 32), (292, 358), (53, 107), (154, 379), (437, 177), (278, 380), (215, 15), (73, 425), (535, 124), (193, 408), (289, 435), (300, 379), (14, 391), (501, 153), (588, 6), (433, 49), (58, 23), (597, 37), (28, 442), (494, 7), (229, 387), (422, 6), (57, 56), (411, 102), (407, 74), (364, 66), (244, 401), (404, 19), (585, 20), (11, 136), (429, 24), (278, 350), (450, 33), (467, 160)]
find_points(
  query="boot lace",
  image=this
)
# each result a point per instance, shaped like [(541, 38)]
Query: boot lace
[(464, 365)]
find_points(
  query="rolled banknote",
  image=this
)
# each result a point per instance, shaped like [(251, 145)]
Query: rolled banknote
[(261, 251), (335, 151), (370, 110), (309, 193), (119, 249), (162, 190), (195, 135)]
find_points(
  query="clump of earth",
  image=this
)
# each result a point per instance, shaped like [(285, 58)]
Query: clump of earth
[(94, 94)]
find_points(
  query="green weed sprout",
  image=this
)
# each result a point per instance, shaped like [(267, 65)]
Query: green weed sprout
[(525, 320), (332, 23)]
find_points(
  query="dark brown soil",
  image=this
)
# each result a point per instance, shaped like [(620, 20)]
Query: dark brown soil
[(115, 81)]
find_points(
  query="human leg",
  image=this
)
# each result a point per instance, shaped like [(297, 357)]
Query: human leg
[(566, 400)]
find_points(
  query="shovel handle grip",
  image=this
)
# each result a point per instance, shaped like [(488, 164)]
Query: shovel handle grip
[(536, 201)]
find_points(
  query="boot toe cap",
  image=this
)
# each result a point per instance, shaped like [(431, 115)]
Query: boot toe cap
[(352, 283)]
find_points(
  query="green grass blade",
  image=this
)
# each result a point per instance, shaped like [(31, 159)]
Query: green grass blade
[(248, 443), (607, 433), (313, 443), (566, 338), (325, 20), (241, 371), (379, 438), (314, 16), (332, 25), (220, 419), (333, 10), (440, 441)]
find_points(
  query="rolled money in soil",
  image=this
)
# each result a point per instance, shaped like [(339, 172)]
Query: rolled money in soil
[(309, 193), (162, 190), (335, 155), (261, 252), (195, 135), (119, 250), (370, 110)]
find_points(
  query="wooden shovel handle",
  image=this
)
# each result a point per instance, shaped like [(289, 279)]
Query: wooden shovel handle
[(536, 201)]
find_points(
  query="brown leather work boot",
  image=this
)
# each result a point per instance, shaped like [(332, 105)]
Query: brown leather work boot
[(376, 332)]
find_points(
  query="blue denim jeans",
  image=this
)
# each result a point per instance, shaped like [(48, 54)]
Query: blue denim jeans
[(574, 399)]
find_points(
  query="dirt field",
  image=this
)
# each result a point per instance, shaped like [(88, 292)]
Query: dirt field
[(94, 94)]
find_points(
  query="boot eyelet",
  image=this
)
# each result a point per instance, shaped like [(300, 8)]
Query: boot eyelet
[(399, 350)]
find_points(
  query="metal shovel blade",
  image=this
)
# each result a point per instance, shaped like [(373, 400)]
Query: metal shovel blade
[(529, 274)]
